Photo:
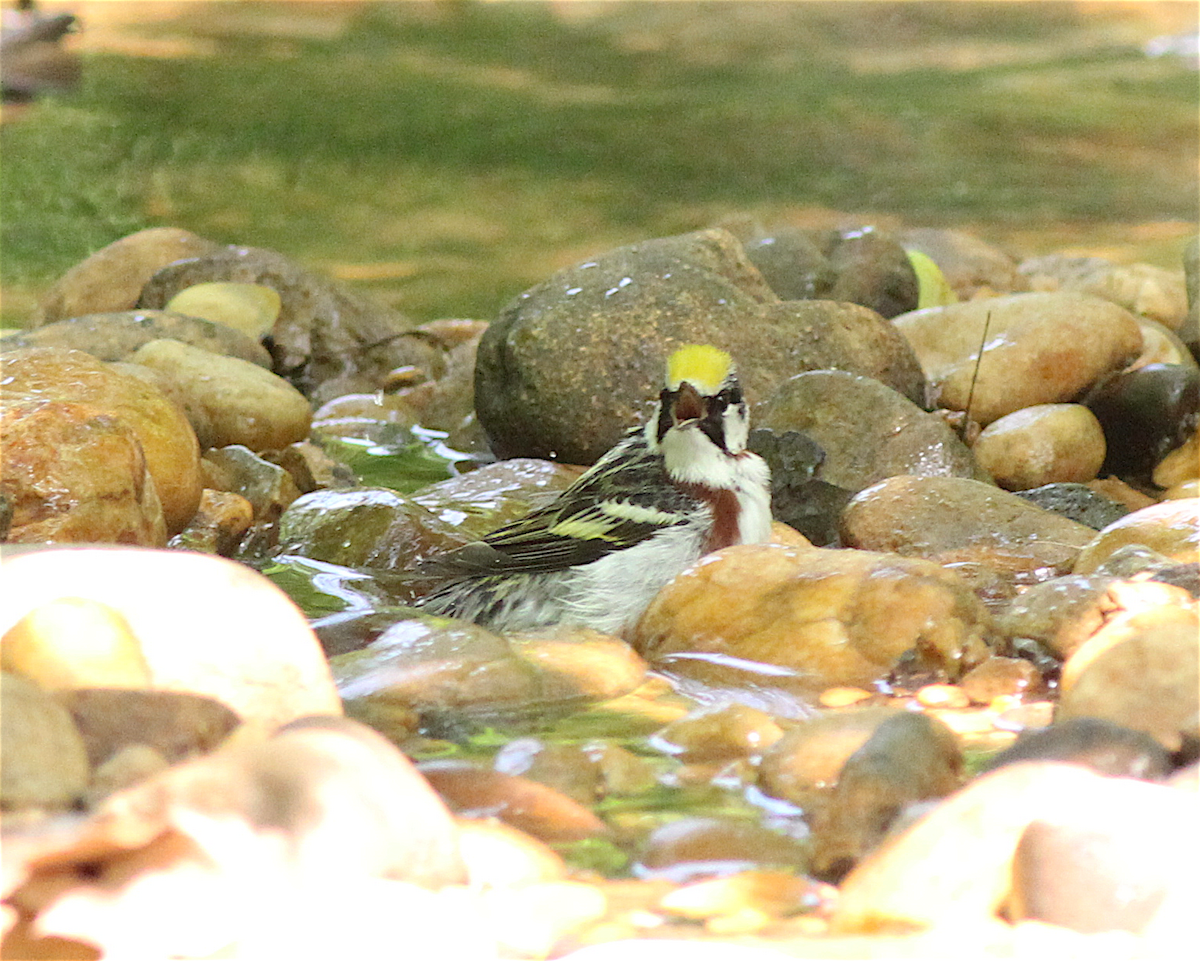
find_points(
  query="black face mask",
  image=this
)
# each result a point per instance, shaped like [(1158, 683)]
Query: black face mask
[(686, 403)]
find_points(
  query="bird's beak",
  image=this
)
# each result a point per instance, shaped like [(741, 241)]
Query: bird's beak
[(688, 405)]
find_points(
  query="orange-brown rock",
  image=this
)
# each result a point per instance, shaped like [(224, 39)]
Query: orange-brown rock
[(42, 375), (75, 473), (1171, 528), (802, 620)]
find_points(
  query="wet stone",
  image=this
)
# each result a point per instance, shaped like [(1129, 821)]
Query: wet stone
[(1041, 349), (871, 268), (956, 521), (1076, 502), (1001, 677), (867, 430), (74, 473), (1145, 414), (1101, 745), (227, 400), (971, 266), (719, 732), (116, 336), (791, 263), (328, 340), (543, 390), (1181, 465), (564, 767), (1142, 289), (1140, 672), (218, 525), (908, 758), (1060, 614), (41, 375), (1170, 529), (799, 499), (1043, 444), (440, 666), (801, 620), (692, 846), (806, 761)]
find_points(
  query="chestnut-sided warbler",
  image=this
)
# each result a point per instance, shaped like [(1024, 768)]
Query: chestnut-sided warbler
[(665, 495)]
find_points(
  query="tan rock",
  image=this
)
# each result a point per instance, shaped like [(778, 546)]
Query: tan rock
[(46, 374), (248, 308), (719, 732), (474, 791), (205, 625), (218, 524), (74, 473), (115, 336), (996, 677), (953, 867), (73, 642), (497, 855), (177, 726), (708, 841), (1142, 289), (228, 400), (807, 760), (803, 620), (44, 761), (909, 757), (1043, 444), (867, 430), (1171, 528), (1140, 672), (1042, 348), (113, 277), (952, 520), (1181, 465), (565, 767), (433, 664), (1161, 345)]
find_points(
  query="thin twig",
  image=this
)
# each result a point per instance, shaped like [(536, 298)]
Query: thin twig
[(962, 431)]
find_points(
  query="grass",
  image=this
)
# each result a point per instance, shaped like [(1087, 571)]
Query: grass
[(445, 157)]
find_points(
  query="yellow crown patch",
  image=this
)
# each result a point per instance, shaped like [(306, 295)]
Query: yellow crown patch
[(702, 366)]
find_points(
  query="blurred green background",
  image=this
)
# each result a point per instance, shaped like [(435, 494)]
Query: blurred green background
[(446, 155)]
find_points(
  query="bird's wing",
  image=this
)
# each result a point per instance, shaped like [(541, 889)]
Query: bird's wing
[(625, 498)]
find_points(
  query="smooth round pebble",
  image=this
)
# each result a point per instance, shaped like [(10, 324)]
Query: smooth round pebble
[(953, 520), (205, 625), (45, 762), (1171, 528), (1043, 444), (112, 278), (229, 401), (73, 642)]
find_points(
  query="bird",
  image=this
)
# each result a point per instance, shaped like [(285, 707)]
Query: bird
[(669, 492)]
